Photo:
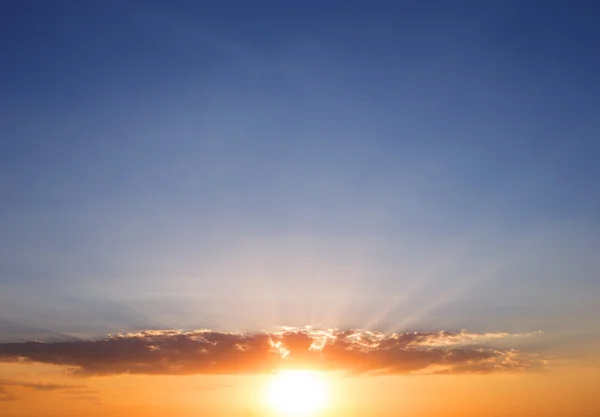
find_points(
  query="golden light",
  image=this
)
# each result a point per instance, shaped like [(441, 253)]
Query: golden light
[(297, 393)]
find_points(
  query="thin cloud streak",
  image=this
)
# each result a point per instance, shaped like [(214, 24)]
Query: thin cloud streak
[(37, 386), (6, 396)]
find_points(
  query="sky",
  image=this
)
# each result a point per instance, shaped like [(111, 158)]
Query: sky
[(403, 195)]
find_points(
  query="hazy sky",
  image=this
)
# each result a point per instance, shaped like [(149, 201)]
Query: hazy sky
[(245, 165)]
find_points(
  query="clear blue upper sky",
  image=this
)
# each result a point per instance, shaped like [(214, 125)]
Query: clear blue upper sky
[(240, 164)]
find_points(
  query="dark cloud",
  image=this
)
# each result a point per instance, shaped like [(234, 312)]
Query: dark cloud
[(209, 352)]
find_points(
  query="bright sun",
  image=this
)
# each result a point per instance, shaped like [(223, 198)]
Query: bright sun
[(297, 393)]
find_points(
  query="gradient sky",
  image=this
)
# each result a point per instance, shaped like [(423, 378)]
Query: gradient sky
[(241, 166)]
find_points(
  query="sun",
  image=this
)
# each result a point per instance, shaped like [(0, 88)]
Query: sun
[(295, 393)]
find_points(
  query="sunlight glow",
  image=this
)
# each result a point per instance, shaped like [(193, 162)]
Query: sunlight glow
[(297, 393)]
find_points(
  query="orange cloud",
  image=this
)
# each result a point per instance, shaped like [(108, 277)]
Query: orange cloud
[(210, 352)]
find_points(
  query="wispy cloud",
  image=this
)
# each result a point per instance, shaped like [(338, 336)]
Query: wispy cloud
[(210, 352), (6, 396), (94, 399), (37, 386), (83, 394)]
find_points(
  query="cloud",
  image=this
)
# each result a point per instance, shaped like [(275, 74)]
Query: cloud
[(37, 386), (94, 399), (14, 332), (84, 398), (81, 393), (175, 352), (6, 396)]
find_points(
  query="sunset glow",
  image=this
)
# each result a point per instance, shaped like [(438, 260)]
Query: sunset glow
[(297, 393)]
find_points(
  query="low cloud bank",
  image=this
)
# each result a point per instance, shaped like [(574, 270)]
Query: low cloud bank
[(173, 352)]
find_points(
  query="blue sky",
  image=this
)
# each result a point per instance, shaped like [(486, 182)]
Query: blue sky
[(393, 165)]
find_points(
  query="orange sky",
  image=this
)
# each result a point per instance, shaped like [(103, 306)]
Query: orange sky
[(564, 389)]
